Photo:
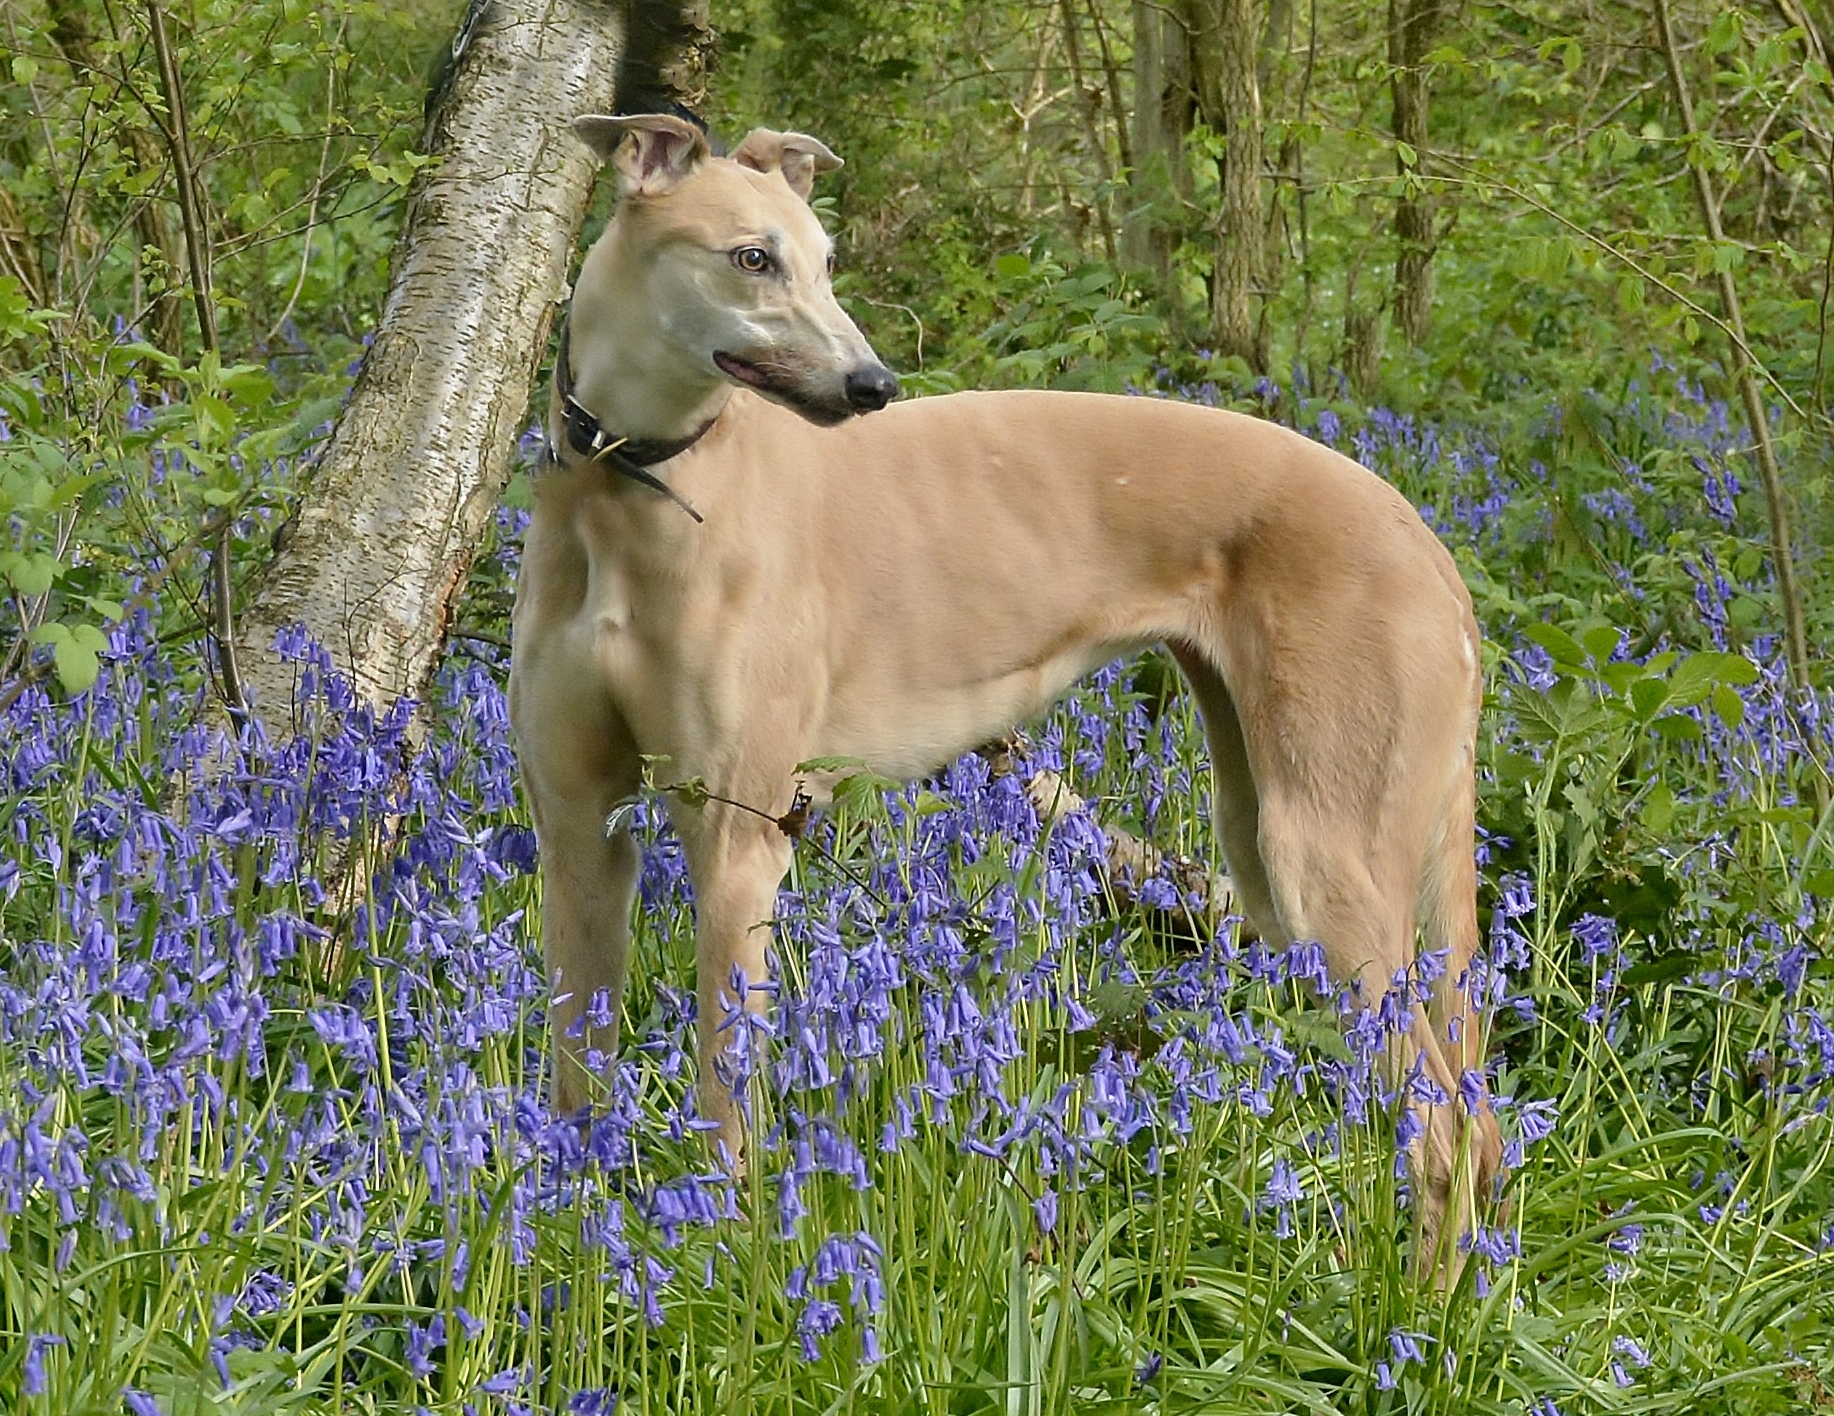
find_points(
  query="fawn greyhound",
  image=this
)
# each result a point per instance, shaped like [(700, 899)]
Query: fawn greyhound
[(728, 574)]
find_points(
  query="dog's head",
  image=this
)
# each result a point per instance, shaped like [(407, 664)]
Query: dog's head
[(739, 265)]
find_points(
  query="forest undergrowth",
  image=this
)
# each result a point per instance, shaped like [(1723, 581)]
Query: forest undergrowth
[(274, 1142)]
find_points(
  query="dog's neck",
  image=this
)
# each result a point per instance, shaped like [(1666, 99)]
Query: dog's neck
[(626, 372)]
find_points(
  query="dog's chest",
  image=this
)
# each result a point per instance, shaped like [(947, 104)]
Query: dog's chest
[(646, 619)]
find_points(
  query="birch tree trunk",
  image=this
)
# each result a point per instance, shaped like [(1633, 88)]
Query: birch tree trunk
[(414, 468)]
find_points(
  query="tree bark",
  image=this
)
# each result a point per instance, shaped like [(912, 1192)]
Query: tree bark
[(1228, 43), (1413, 26), (1088, 100), (403, 490), (668, 53), (165, 326), (1159, 182)]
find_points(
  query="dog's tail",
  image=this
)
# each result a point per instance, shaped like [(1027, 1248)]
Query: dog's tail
[(1448, 924)]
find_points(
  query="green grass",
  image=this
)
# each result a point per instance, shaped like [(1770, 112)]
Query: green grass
[(267, 1149)]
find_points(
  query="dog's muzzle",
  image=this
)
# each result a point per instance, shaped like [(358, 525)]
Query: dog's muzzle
[(869, 389)]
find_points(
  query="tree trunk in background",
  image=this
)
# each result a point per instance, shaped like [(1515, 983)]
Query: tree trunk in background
[(1160, 181), (404, 489), (153, 228), (668, 53), (1413, 26), (1227, 44)]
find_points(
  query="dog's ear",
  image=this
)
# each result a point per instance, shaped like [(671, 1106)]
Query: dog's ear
[(799, 157), (652, 152)]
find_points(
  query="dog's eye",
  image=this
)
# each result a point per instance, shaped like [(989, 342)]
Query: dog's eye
[(753, 260)]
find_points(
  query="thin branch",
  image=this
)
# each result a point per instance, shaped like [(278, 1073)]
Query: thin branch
[(1782, 550), (1481, 180), (1818, 390), (197, 258)]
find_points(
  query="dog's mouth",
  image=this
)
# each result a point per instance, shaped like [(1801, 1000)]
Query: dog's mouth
[(744, 371), (777, 384)]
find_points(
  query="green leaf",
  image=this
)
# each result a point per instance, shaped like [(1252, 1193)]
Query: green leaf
[(1621, 674), (1601, 642), (216, 421), (1729, 706), (1745, 612), (1698, 673), (1677, 727), (74, 652), (248, 385), (121, 358), (1725, 31), (1564, 648), (1012, 266), (17, 317), (1647, 695), (33, 572), (1659, 808), (832, 764), (862, 789), (25, 68), (1664, 968)]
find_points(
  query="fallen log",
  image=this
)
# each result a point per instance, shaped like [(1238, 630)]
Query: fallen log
[(1206, 897)]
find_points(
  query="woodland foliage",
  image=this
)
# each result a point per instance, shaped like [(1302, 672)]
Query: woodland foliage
[(1469, 213), (273, 1129)]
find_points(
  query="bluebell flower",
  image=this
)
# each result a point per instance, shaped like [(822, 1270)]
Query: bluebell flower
[(33, 1380)]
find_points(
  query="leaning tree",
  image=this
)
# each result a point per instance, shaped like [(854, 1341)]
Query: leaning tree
[(388, 524)]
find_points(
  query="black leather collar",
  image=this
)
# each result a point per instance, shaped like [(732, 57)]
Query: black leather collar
[(633, 457)]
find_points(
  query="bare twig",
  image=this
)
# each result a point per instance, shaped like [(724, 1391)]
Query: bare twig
[(318, 187), (1481, 180), (1818, 390), (197, 256), (1782, 549), (1086, 99), (31, 673), (178, 143)]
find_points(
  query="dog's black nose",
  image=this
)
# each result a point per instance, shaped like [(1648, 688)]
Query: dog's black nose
[(871, 388)]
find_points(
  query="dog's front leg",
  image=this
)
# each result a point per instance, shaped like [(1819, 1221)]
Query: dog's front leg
[(576, 768), (737, 859)]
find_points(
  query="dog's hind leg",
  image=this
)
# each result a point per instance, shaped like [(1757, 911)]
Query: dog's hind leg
[(1237, 808), (737, 860), (1448, 923), (1332, 887), (576, 770), (1348, 799)]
